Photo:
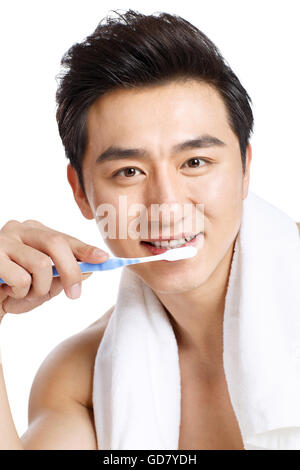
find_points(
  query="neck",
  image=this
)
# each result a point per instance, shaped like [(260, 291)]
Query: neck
[(197, 316)]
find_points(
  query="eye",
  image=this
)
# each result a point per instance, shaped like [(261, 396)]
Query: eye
[(195, 162), (129, 172)]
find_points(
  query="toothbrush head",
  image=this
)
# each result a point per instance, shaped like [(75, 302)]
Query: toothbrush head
[(176, 254)]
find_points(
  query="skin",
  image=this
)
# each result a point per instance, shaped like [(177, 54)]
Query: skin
[(60, 405), (155, 119), (60, 411)]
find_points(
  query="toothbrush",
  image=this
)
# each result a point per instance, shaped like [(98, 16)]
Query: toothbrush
[(173, 254)]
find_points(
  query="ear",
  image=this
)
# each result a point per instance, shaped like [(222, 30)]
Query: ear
[(246, 177), (78, 194)]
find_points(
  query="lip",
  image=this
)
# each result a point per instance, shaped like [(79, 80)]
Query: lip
[(157, 251)]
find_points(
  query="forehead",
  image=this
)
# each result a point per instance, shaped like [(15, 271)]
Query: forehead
[(160, 111)]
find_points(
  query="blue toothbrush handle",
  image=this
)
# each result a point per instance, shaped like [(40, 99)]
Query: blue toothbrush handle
[(111, 263)]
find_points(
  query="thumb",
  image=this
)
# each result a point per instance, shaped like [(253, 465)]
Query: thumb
[(90, 254), (85, 252)]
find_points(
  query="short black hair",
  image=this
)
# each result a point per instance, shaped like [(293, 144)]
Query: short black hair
[(132, 50)]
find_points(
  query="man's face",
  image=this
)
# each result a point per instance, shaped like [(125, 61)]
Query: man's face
[(155, 120)]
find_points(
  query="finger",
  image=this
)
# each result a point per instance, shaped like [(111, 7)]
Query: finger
[(60, 251), (32, 230), (55, 289), (36, 236), (12, 305), (86, 275), (18, 280), (36, 263), (63, 249), (11, 228), (87, 253), (29, 293)]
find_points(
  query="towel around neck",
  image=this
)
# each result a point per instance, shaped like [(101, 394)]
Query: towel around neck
[(136, 389)]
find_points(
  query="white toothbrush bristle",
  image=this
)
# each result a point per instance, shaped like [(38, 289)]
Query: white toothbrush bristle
[(180, 253)]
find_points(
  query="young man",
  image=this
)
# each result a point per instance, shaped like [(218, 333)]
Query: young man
[(147, 110)]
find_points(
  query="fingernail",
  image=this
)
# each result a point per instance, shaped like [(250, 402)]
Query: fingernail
[(74, 291), (98, 252)]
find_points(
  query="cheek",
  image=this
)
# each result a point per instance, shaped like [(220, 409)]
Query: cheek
[(123, 248), (222, 197), (111, 211), (120, 231)]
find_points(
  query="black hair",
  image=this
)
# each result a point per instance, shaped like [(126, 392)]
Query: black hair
[(135, 50)]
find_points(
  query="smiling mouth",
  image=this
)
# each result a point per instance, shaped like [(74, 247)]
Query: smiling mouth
[(172, 243)]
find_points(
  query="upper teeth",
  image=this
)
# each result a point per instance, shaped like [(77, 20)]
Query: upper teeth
[(172, 243)]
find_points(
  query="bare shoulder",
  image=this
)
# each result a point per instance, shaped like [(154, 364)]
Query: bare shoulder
[(298, 224), (67, 371), (60, 413)]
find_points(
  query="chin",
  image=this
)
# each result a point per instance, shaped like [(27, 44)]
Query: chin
[(175, 281)]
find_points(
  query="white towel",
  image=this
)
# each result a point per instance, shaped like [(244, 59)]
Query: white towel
[(136, 394)]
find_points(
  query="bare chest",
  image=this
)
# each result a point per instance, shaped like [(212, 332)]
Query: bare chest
[(208, 421)]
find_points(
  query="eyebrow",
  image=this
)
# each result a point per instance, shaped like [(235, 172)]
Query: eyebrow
[(119, 153)]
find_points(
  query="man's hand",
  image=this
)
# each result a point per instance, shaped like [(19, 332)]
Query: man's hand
[(27, 250)]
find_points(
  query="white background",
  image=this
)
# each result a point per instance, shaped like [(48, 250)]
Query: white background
[(259, 39)]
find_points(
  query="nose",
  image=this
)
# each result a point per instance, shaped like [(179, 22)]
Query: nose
[(165, 198), (164, 188)]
